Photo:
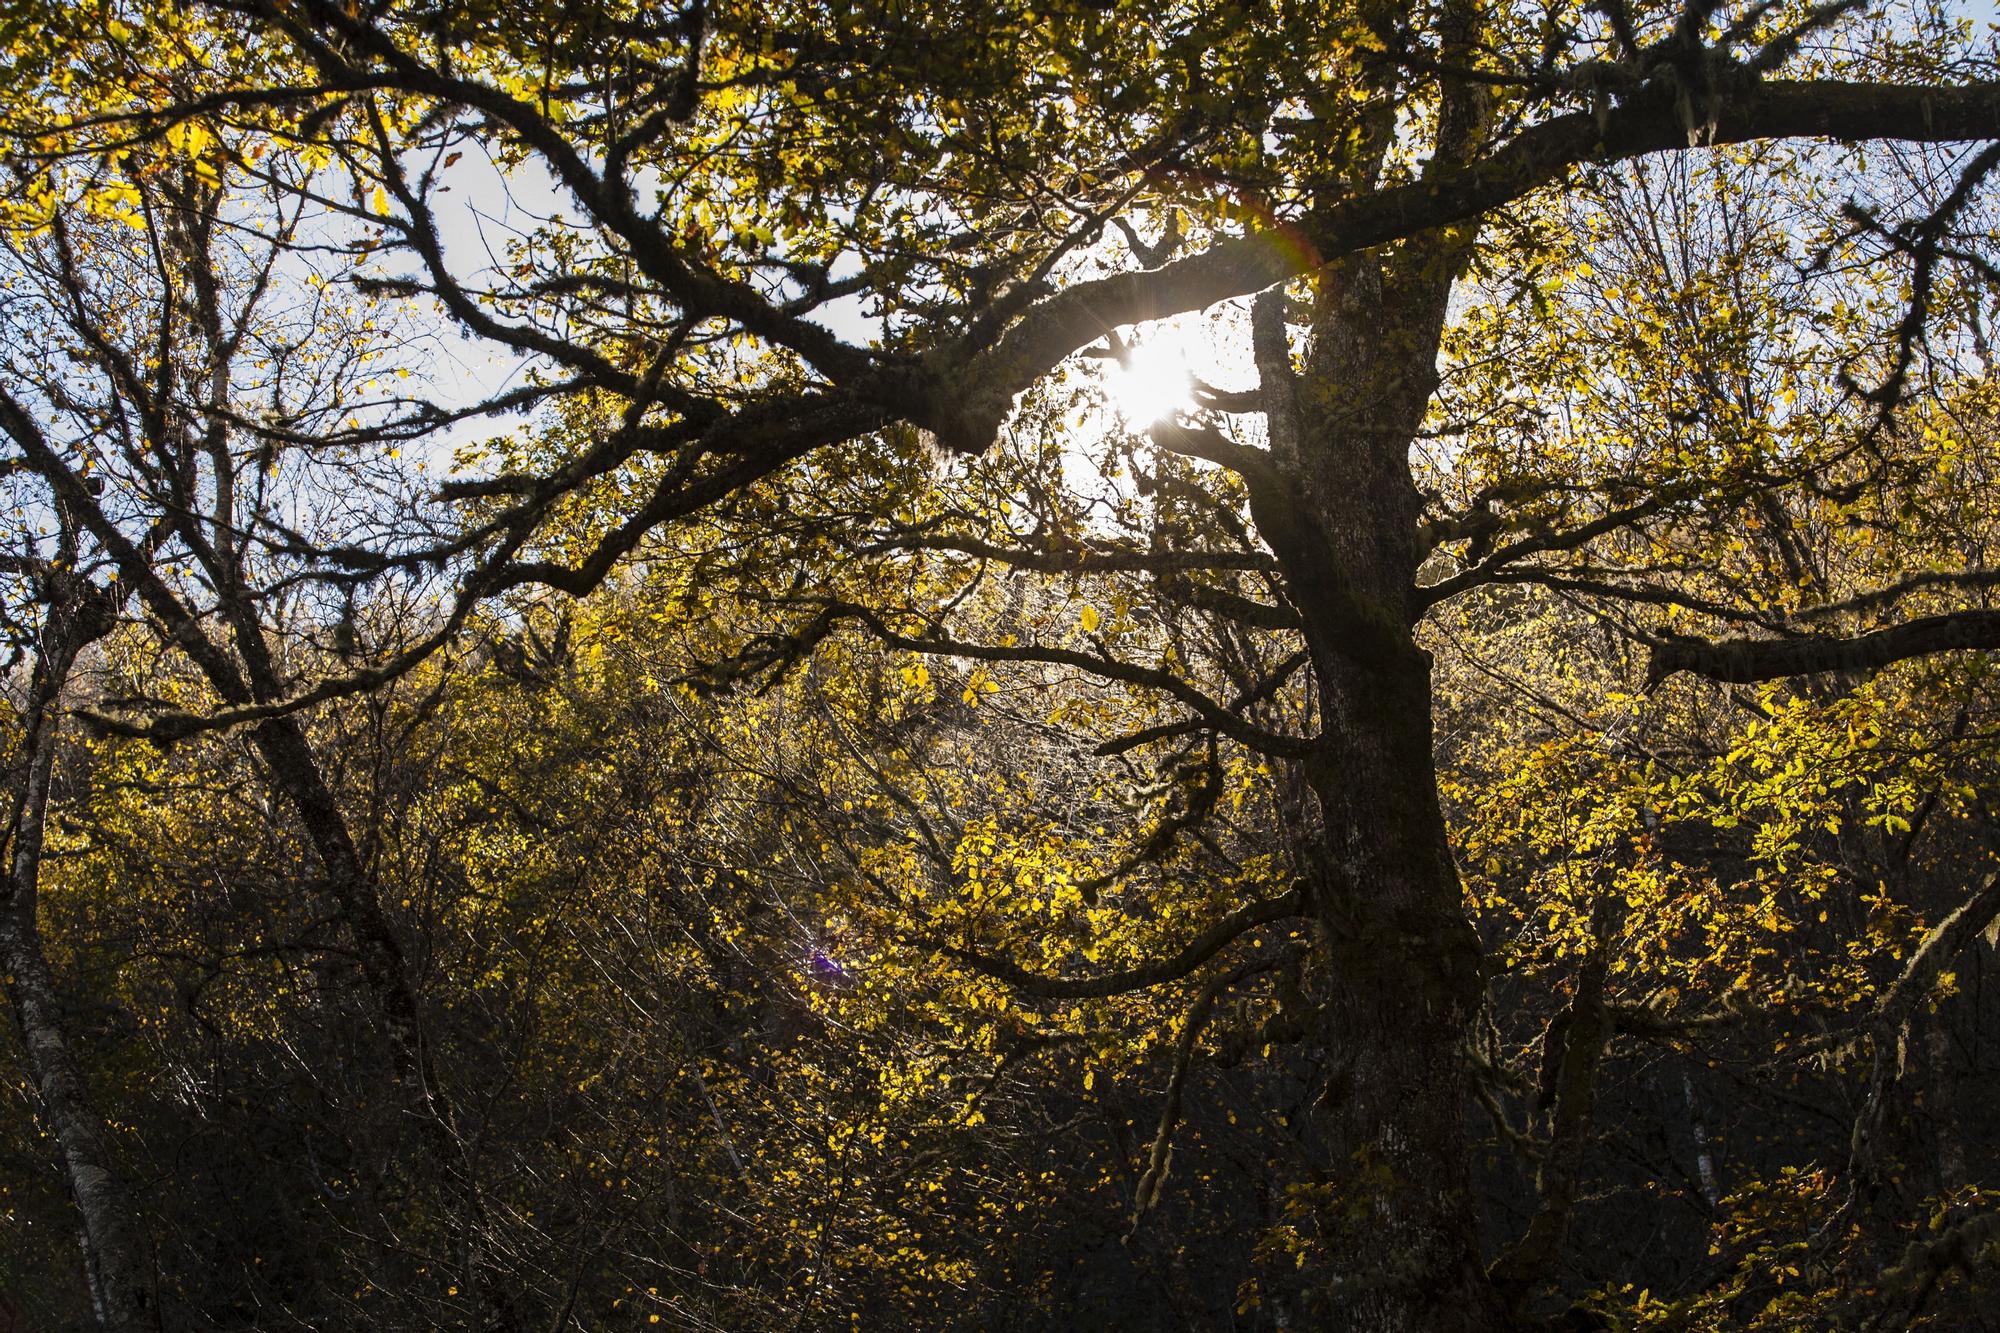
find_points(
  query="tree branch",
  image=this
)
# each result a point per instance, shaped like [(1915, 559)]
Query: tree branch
[(1747, 661), (1198, 951)]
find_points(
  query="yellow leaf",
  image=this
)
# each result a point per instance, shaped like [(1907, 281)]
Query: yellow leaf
[(1088, 618)]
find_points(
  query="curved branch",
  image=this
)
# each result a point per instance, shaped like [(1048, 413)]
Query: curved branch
[(1213, 714), (1647, 122), (1198, 951), (1540, 543), (1101, 559)]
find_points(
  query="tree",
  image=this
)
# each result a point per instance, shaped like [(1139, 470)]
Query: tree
[(728, 176), (55, 611), (137, 340)]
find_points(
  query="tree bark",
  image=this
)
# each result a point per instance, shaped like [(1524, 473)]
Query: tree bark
[(1401, 963), (114, 1249), (1941, 1103), (1404, 985)]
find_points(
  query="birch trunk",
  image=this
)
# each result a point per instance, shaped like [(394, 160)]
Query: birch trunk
[(115, 1252)]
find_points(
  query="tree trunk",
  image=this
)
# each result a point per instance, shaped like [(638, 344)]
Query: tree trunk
[(115, 1253), (1403, 986), (1401, 964), (1941, 1104)]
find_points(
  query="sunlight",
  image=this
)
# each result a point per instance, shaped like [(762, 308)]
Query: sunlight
[(1151, 385)]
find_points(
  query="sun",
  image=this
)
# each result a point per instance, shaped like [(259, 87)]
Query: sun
[(1151, 384)]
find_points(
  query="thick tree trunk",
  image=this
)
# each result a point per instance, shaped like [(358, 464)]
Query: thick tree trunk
[(1403, 986), (1402, 965)]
